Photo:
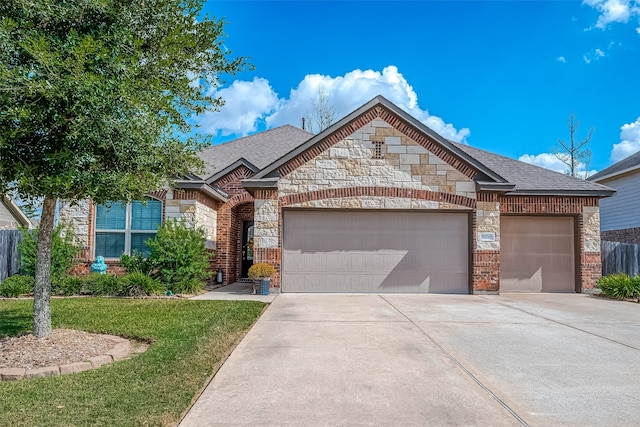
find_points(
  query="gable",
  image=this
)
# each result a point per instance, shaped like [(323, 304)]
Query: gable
[(404, 125), (379, 155)]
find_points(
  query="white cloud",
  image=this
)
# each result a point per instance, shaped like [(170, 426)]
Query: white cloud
[(356, 87), (249, 102), (545, 160), (552, 162), (629, 141), (561, 59), (593, 55), (612, 11), (245, 104)]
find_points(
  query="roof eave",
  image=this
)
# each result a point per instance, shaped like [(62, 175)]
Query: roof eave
[(565, 193), (202, 186), (253, 184), (495, 187), (233, 166), (614, 174)]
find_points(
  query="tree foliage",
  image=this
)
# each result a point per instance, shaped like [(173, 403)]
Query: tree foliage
[(575, 153), (94, 95)]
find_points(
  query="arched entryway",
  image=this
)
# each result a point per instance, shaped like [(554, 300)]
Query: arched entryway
[(234, 247)]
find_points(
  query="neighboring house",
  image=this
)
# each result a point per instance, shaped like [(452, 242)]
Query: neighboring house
[(620, 214), (378, 202), (11, 216)]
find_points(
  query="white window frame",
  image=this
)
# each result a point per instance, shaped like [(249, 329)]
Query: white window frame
[(127, 226)]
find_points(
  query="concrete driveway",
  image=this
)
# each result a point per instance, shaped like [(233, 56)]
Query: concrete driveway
[(513, 359)]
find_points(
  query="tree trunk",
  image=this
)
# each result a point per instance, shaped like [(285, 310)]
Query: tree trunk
[(42, 290)]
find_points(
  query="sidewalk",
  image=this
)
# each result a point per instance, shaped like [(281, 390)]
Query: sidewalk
[(237, 291)]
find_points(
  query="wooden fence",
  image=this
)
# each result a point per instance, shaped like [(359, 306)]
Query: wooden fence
[(620, 257), (9, 258)]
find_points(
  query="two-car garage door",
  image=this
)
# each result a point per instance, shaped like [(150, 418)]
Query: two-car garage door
[(375, 251)]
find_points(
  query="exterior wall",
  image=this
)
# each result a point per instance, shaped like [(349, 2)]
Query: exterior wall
[(622, 210), (194, 212), (348, 174), (79, 218), (7, 220), (586, 213), (194, 207), (230, 215)]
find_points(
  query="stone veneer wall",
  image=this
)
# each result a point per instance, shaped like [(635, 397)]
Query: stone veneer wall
[(349, 175), (78, 217), (194, 212)]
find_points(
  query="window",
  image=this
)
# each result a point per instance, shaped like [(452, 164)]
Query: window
[(377, 150), (123, 228)]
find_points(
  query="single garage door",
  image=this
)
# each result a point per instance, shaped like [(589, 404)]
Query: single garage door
[(375, 251), (537, 254)]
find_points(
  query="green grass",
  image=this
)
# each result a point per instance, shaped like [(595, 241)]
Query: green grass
[(189, 339)]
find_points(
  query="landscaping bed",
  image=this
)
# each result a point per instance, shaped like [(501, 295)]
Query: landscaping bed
[(188, 340)]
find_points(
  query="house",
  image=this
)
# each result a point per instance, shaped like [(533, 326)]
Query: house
[(620, 214), (11, 216), (378, 202)]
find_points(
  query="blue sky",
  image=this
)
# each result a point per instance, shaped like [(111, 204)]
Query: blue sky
[(503, 76)]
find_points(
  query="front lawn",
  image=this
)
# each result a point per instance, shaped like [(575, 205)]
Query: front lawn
[(189, 339)]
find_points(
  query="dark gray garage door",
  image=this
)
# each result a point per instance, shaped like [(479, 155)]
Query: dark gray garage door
[(537, 254), (375, 251)]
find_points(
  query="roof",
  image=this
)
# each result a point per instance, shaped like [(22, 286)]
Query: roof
[(625, 165), (17, 213), (346, 121), (258, 150), (494, 172), (531, 179)]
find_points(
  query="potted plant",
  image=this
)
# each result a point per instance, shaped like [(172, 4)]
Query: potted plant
[(261, 274)]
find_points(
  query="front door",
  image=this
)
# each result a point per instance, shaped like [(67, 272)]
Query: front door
[(247, 248)]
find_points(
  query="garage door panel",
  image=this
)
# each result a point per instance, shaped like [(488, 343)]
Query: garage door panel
[(537, 254), (383, 251)]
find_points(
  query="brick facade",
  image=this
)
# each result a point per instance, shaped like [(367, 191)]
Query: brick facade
[(377, 161)]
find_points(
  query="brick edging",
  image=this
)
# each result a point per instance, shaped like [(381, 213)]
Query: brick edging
[(121, 349)]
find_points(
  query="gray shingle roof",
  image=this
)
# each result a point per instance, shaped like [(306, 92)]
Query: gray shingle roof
[(259, 149), (631, 162), (530, 178)]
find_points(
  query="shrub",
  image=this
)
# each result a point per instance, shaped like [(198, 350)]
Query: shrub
[(67, 286), (180, 255), (620, 286), (62, 252), (259, 270), (101, 285), (136, 263), (14, 286), (138, 284)]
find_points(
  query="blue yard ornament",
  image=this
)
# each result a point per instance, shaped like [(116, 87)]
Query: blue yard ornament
[(99, 266)]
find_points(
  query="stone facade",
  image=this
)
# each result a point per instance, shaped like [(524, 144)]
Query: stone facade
[(379, 167), (78, 217), (194, 213)]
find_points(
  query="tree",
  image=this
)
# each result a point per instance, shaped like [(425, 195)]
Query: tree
[(575, 153), (94, 95), (323, 113)]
